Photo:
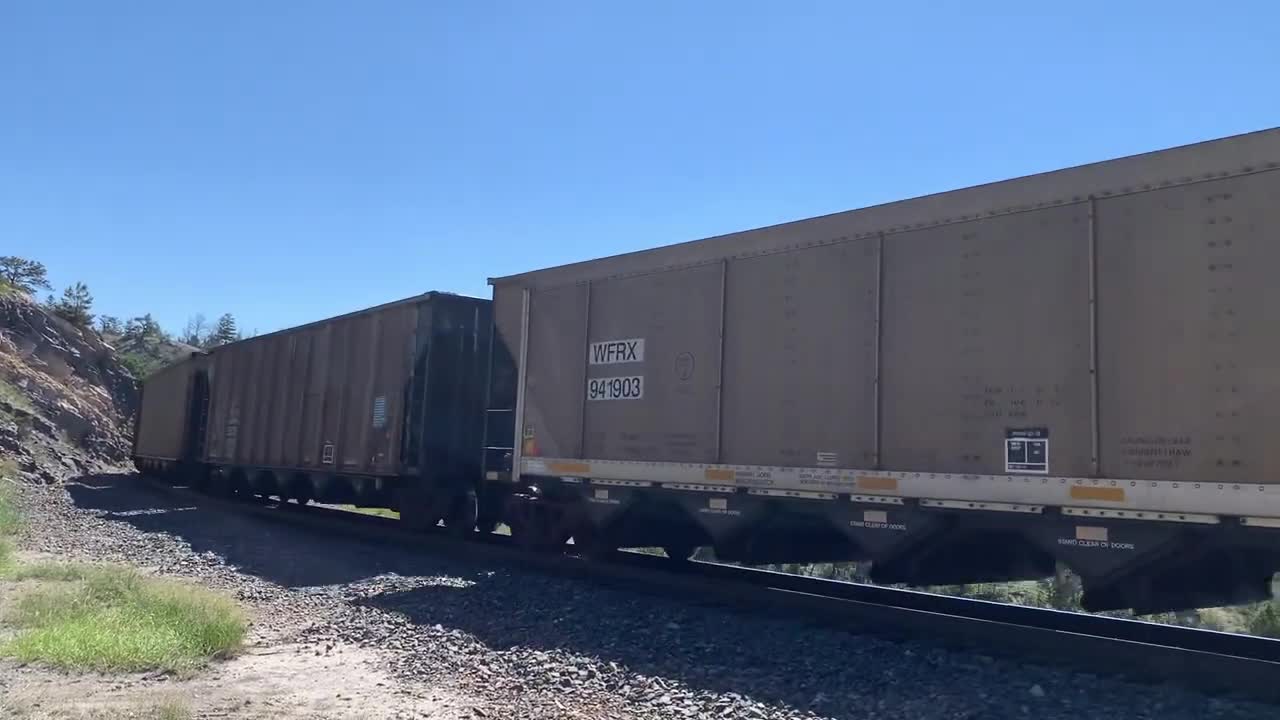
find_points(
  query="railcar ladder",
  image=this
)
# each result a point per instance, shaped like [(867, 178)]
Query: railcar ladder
[(499, 442)]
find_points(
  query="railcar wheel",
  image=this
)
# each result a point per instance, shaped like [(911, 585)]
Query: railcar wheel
[(463, 513), (418, 508), (219, 484), (591, 544), (679, 553), (535, 526)]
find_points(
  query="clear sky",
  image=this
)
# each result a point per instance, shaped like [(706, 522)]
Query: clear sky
[(287, 161)]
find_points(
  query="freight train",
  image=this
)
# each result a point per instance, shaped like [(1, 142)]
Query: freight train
[(1080, 367)]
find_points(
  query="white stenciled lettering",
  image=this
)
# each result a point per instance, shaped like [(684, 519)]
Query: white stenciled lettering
[(877, 525), (613, 352), (1102, 544), (616, 388)]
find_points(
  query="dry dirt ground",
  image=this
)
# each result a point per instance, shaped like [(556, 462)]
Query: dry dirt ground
[(269, 679)]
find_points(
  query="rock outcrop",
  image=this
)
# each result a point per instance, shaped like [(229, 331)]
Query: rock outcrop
[(66, 402)]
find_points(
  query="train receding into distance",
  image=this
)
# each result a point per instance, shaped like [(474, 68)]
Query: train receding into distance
[(1078, 367)]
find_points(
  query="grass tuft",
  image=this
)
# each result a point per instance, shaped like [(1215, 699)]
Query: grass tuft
[(172, 710), (9, 519), (110, 618)]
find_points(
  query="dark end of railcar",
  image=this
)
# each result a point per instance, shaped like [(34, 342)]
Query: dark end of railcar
[(444, 425)]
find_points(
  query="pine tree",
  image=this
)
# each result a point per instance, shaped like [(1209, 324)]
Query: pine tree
[(143, 330), (75, 305), (24, 275), (110, 325), (223, 332)]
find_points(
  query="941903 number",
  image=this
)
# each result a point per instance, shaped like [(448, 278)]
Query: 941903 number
[(616, 388)]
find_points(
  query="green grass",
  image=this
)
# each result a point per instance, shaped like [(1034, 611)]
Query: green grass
[(168, 710), (111, 618), (9, 519)]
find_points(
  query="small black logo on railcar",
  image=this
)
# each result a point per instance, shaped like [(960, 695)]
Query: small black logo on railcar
[(684, 365)]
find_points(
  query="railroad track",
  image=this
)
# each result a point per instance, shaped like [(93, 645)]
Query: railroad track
[(1215, 662)]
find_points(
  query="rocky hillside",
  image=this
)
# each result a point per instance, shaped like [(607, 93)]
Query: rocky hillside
[(66, 402)]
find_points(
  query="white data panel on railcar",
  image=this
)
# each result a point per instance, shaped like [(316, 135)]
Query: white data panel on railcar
[(613, 352), (630, 387), (1026, 450)]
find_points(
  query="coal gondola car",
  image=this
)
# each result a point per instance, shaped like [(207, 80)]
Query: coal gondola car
[(379, 408)]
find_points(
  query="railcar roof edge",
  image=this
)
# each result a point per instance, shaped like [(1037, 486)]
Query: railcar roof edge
[(1203, 160), (429, 295)]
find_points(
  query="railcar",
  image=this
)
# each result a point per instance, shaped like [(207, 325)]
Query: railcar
[(1075, 367), (381, 408)]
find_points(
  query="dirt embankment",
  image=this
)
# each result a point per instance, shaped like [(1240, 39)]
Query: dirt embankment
[(66, 402)]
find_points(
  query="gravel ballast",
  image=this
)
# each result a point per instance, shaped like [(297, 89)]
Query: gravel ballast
[(519, 644)]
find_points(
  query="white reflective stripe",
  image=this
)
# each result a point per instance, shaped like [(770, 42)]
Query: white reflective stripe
[(1260, 522), (620, 483), (877, 499), (792, 493), (693, 487), (1207, 498), (971, 505), (1141, 515)]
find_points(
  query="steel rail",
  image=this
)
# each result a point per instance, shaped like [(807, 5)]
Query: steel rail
[(1216, 662)]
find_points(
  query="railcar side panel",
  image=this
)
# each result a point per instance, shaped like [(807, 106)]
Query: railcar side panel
[(334, 384), (278, 414), (163, 415), (295, 390), (554, 380), (1188, 347), (986, 332), (800, 357), (356, 402), (653, 372), (313, 408)]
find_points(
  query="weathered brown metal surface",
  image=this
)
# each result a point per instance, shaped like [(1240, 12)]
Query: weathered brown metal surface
[(554, 385), (280, 400), (677, 316), (799, 358), (163, 414), (1189, 331), (986, 328)]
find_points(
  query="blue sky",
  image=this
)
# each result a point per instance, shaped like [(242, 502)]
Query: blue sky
[(287, 161)]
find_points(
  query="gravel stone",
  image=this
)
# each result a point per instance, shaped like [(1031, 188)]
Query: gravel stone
[(534, 646)]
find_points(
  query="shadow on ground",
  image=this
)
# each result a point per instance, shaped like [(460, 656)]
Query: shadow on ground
[(775, 661)]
